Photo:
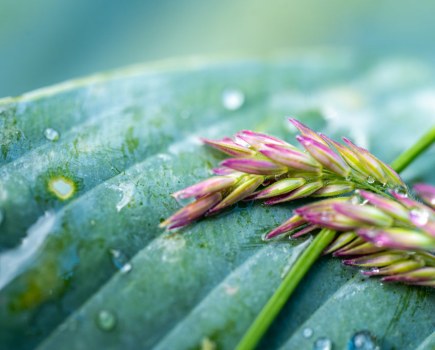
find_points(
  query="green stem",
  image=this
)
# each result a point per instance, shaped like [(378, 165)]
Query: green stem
[(402, 161), (289, 283), (311, 254)]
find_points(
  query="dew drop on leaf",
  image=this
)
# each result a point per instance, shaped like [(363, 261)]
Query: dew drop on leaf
[(120, 261), (51, 134), (233, 99), (126, 268), (307, 332), (106, 320), (322, 343), (363, 340)]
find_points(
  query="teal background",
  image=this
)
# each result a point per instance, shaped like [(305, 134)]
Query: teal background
[(43, 42)]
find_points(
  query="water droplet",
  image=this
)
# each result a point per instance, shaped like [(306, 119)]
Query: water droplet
[(106, 320), (323, 343), (51, 134), (419, 216), (307, 332), (370, 180), (355, 199), (126, 268), (233, 99), (401, 191), (120, 261), (374, 270), (371, 233), (127, 190), (325, 217), (363, 340)]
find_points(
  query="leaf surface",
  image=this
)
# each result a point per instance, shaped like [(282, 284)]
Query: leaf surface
[(101, 274)]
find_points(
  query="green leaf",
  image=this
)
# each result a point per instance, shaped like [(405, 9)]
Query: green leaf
[(90, 202)]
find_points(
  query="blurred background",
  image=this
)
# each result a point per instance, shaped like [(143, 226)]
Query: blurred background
[(43, 42)]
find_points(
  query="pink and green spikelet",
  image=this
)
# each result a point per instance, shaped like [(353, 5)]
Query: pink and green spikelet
[(382, 228)]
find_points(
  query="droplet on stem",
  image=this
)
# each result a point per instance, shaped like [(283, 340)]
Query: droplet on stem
[(419, 216)]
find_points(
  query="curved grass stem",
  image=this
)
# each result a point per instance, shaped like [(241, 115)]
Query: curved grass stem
[(288, 285), (402, 161)]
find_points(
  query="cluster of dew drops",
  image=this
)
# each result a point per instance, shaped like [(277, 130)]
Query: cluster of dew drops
[(232, 99), (362, 340)]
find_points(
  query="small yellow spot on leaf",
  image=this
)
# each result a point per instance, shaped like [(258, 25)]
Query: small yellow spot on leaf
[(62, 187)]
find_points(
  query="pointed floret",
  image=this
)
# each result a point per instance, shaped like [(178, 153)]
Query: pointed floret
[(254, 166), (395, 268), (244, 188), (278, 188), (257, 140), (386, 205), (341, 240), (301, 192), (229, 147), (378, 259), (192, 211), (373, 166), (306, 131), (334, 188), (364, 214), (347, 154), (363, 248), (424, 274), (325, 156), (305, 230), (288, 226), (426, 193), (398, 238), (214, 184), (292, 158), (224, 171)]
